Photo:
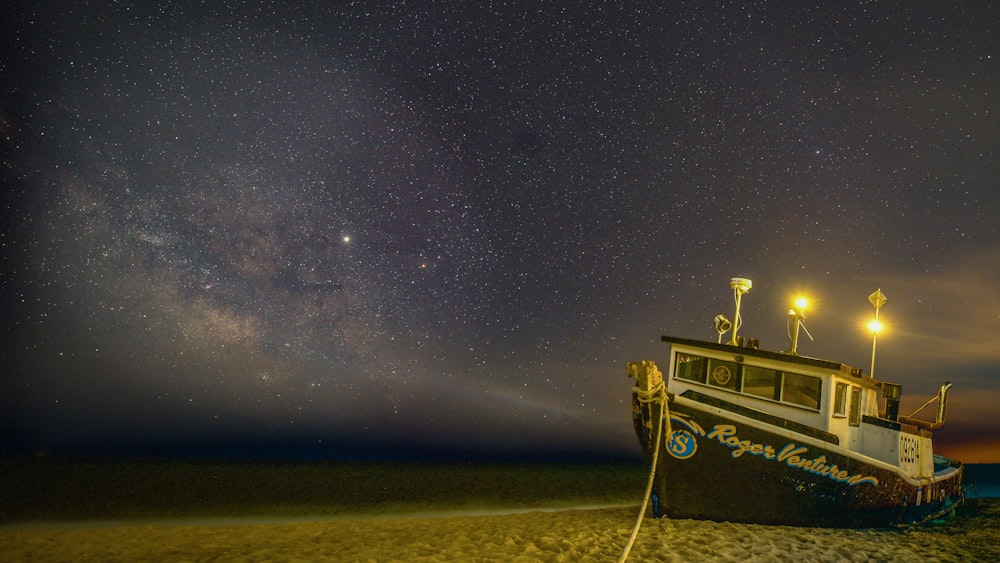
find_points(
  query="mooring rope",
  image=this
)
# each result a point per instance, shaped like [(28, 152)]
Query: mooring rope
[(657, 394)]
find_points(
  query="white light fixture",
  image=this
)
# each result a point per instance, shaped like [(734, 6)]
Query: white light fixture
[(722, 325)]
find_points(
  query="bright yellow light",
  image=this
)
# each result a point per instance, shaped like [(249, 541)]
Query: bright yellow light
[(876, 326), (801, 303)]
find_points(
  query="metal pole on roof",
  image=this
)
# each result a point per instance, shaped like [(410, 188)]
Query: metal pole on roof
[(877, 299)]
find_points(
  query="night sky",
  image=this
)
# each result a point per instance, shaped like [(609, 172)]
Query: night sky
[(427, 229)]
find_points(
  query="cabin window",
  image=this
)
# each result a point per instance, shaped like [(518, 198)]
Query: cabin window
[(801, 390), (855, 418), (793, 388), (691, 368), (722, 374), (840, 400), (761, 382)]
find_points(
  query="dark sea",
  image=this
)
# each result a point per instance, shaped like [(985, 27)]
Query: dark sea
[(982, 480)]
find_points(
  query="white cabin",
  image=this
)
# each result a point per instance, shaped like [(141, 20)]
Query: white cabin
[(821, 399)]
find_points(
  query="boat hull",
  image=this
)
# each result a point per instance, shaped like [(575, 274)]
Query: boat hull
[(725, 468)]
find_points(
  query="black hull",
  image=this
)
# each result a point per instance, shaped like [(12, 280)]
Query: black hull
[(718, 469)]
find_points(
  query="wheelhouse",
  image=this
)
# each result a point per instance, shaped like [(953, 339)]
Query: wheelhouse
[(825, 400)]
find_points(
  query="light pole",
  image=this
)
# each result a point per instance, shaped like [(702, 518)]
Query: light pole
[(877, 299)]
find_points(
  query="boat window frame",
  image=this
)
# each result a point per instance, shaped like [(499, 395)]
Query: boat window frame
[(788, 387), (840, 399), (702, 376), (702, 372), (778, 378), (724, 374), (854, 416)]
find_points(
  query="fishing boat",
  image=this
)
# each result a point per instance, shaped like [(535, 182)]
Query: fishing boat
[(736, 433)]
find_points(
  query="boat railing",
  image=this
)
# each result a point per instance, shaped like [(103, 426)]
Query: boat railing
[(942, 399)]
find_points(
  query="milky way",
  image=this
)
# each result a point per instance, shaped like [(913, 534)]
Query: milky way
[(375, 228)]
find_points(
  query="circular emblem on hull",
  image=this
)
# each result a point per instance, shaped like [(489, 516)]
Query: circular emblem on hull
[(682, 444)]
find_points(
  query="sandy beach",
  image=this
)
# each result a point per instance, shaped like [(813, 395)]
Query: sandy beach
[(564, 535), (170, 510)]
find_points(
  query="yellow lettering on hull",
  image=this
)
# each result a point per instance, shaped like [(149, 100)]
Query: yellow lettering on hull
[(791, 455)]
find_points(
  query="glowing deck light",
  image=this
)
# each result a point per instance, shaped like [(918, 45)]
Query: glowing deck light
[(797, 315), (875, 326)]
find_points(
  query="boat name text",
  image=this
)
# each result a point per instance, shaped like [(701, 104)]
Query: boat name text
[(791, 455)]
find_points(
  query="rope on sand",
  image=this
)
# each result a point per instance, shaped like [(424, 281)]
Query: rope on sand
[(657, 394)]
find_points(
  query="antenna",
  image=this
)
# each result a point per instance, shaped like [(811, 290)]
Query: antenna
[(739, 287)]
